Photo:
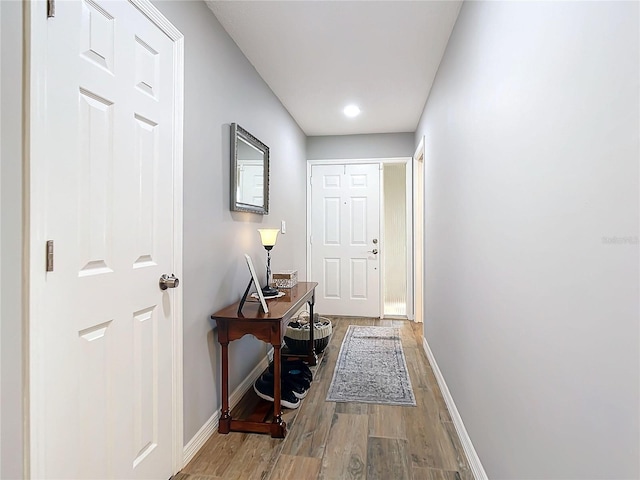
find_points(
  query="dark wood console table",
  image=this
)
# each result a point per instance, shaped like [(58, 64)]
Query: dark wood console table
[(270, 328)]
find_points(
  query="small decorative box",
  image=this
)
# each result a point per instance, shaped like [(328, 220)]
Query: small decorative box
[(284, 279)]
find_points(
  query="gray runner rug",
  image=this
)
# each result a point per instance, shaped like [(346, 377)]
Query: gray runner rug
[(371, 368)]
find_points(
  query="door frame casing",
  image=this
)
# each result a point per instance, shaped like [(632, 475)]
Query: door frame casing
[(34, 220), (380, 162), (418, 231)]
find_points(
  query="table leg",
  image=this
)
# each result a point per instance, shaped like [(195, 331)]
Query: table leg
[(311, 354), (278, 428), (224, 424)]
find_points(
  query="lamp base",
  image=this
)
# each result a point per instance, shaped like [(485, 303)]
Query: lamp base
[(269, 291)]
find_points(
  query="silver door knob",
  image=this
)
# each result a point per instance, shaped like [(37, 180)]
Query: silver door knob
[(374, 251), (168, 281)]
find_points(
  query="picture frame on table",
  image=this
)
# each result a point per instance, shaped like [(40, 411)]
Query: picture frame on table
[(254, 280)]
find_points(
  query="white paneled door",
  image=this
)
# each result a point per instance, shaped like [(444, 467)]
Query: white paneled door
[(103, 340), (345, 238)]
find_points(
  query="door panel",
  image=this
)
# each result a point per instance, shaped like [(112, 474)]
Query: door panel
[(251, 182), (345, 221), (106, 365), (332, 220)]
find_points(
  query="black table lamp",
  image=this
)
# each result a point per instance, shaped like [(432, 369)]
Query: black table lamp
[(268, 237)]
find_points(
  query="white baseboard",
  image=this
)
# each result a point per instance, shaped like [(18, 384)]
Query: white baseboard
[(210, 426), (474, 461), (200, 438)]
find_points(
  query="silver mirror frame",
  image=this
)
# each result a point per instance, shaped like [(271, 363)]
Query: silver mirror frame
[(237, 132)]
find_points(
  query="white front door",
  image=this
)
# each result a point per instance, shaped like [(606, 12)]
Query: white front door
[(107, 180), (345, 239)]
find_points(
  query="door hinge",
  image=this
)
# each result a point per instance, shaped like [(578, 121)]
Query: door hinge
[(310, 239), (51, 8), (49, 255)]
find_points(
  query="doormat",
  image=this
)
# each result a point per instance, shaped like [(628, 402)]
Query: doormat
[(371, 368)]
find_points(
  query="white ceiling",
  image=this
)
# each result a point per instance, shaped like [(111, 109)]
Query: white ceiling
[(319, 56)]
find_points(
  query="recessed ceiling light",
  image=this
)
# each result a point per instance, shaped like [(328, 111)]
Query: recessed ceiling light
[(351, 110)]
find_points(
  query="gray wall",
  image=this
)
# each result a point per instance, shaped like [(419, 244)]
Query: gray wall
[(532, 148), (222, 87), (11, 240), (379, 145)]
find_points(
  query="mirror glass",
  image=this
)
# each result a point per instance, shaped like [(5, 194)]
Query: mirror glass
[(249, 172)]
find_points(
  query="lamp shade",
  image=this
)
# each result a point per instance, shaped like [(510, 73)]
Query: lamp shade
[(268, 236)]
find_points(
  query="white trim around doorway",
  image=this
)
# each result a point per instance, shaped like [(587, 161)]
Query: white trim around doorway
[(418, 233)]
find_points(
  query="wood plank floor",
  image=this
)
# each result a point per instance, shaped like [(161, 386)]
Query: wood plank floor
[(332, 441)]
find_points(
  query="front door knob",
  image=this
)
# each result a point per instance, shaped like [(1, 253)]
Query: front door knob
[(374, 251), (168, 281)]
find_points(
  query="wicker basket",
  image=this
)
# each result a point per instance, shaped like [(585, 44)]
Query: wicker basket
[(297, 335)]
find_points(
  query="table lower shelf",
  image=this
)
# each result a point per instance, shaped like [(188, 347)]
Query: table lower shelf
[(252, 414), (247, 426), (255, 415)]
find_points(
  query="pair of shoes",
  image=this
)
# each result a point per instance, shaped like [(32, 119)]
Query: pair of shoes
[(264, 388), (288, 383), (303, 368), (297, 376), (293, 375), (294, 367)]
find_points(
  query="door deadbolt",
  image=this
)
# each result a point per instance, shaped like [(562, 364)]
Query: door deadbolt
[(375, 240), (168, 281)]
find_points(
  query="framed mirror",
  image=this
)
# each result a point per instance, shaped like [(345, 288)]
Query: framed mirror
[(249, 172)]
